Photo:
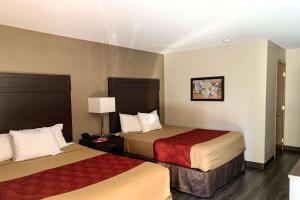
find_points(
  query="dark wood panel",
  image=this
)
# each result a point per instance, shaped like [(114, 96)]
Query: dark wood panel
[(132, 96), (31, 102), (34, 100), (12, 82)]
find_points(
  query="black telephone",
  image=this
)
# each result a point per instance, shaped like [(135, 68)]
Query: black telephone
[(87, 137)]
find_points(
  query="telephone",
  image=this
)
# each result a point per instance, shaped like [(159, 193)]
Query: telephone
[(87, 137)]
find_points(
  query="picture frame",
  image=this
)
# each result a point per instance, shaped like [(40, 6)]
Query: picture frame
[(207, 88)]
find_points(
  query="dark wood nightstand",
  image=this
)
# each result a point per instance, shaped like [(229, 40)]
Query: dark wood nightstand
[(114, 144)]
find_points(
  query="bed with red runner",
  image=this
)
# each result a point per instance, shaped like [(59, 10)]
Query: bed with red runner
[(188, 147), (196, 167), (199, 160)]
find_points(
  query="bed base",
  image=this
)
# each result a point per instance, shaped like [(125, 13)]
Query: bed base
[(197, 182), (204, 184)]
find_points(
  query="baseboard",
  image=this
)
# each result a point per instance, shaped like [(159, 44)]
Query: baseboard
[(257, 165), (291, 148), (268, 161)]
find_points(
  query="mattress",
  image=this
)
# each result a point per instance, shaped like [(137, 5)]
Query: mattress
[(144, 181), (204, 156)]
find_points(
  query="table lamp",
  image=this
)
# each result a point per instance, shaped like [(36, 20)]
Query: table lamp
[(101, 105)]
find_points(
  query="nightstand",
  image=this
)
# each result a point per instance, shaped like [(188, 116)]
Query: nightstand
[(114, 144)]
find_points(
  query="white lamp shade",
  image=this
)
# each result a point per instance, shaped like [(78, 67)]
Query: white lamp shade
[(101, 104)]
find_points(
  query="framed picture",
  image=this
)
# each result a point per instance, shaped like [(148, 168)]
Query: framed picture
[(207, 89)]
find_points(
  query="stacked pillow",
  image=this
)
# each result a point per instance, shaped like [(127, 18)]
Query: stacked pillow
[(6, 152), (144, 122), (32, 143), (130, 123)]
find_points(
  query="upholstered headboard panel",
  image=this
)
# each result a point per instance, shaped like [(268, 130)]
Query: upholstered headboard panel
[(132, 96), (34, 100)]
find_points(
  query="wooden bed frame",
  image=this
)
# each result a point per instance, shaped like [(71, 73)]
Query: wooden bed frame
[(132, 95), (142, 95), (30, 101)]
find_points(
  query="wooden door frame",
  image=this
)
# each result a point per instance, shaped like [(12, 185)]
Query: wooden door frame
[(283, 115)]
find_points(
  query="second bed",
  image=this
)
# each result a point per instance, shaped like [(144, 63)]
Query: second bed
[(200, 161)]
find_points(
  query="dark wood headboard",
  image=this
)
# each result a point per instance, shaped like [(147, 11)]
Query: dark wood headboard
[(132, 96), (33, 100)]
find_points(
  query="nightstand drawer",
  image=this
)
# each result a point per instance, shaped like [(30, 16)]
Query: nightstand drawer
[(106, 145), (111, 149), (112, 145)]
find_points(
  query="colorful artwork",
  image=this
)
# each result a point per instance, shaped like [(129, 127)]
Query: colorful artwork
[(207, 89)]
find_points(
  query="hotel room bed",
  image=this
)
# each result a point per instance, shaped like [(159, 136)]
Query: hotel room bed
[(196, 168), (205, 156), (212, 163), (55, 177)]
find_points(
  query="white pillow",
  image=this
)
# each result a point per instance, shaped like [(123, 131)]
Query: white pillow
[(34, 143), (57, 131), (149, 121), (6, 152), (129, 123)]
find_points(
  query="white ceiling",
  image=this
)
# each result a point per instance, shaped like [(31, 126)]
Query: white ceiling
[(159, 25)]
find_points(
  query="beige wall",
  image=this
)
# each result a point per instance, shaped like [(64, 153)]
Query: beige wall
[(88, 63), (275, 53), (292, 113), (244, 67)]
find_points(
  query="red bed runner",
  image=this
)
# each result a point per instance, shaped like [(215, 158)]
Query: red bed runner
[(66, 178), (176, 149)]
